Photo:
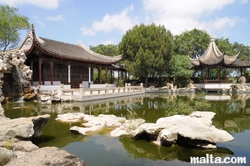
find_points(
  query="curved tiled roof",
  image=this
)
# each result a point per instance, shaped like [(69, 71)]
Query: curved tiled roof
[(213, 56), (67, 51)]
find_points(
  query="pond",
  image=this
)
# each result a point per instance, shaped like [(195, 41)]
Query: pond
[(232, 115)]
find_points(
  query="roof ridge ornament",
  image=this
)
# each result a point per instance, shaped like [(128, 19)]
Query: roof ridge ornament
[(212, 38), (33, 32)]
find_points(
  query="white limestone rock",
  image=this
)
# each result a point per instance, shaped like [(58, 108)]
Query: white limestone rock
[(71, 117), (119, 132), (195, 129), (92, 123)]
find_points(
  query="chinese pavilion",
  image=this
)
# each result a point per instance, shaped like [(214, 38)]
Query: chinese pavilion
[(213, 64), (55, 62)]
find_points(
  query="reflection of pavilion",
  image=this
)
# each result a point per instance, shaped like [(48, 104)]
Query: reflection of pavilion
[(212, 68), (96, 106), (217, 97)]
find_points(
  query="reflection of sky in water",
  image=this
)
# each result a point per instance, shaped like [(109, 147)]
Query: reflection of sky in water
[(240, 145), (101, 150)]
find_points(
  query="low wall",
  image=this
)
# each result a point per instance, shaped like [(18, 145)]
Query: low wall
[(102, 85), (54, 87), (108, 90), (213, 86)]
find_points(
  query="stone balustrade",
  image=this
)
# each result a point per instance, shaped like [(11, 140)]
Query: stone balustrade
[(65, 93), (105, 91)]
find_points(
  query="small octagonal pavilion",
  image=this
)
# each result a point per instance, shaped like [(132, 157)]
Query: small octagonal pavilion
[(213, 64)]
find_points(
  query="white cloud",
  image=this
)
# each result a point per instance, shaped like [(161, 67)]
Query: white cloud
[(121, 21), (87, 32), (47, 4), (56, 18), (109, 41), (181, 15), (244, 1)]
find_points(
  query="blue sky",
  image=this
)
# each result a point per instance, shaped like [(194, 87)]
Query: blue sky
[(94, 22)]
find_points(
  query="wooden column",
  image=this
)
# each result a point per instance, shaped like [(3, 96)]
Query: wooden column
[(69, 74), (92, 73), (111, 76), (99, 76), (206, 72), (89, 74), (40, 70), (118, 77), (31, 68), (106, 71), (218, 74), (225, 74), (52, 71)]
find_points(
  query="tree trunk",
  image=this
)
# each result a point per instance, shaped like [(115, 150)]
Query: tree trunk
[(146, 80)]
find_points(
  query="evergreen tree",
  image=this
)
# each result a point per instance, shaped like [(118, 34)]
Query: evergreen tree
[(191, 43), (147, 50)]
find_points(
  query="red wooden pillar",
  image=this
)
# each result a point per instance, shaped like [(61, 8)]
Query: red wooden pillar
[(51, 71), (40, 70), (218, 74), (206, 72)]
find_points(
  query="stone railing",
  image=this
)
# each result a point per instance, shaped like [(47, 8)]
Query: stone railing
[(66, 91), (105, 91)]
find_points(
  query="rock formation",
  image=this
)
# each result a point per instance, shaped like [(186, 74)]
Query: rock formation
[(195, 129), (241, 84), (47, 156), (94, 124), (14, 75), (16, 149)]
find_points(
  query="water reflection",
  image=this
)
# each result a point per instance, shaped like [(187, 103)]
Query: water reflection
[(232, 114), (154, 152)]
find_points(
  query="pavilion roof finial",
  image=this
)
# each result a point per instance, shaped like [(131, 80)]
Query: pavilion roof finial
[(212, 38), (33, 31)]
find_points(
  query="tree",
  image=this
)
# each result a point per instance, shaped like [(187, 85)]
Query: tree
[(146, 50), (181, 69), (243, 49), (191, 43), (109, 50), (10, 24)]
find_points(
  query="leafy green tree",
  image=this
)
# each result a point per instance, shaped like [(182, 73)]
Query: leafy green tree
[(10, 24), (147, 50), (243, 49), (180, 69), (109, 50), (191, 43), (225, 46)]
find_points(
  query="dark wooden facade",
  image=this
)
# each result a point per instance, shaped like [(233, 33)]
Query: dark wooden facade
[(54, 62)]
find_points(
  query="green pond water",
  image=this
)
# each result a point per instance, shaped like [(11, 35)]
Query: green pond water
[(232, 115)]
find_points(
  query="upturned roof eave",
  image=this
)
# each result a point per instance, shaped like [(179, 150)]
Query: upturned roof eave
[(53, 54), (40, 44)]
